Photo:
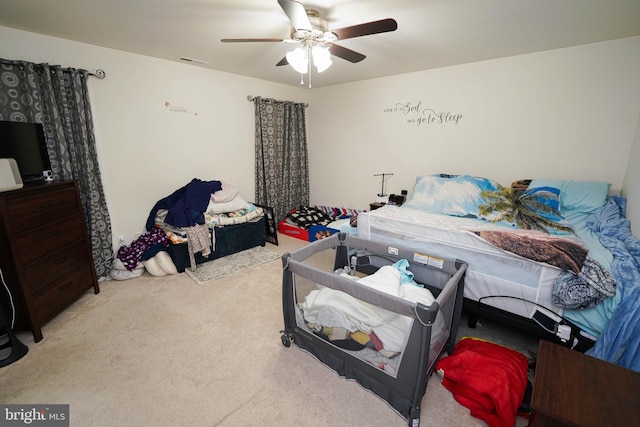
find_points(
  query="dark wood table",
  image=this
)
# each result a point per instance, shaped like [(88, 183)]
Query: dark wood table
[(573, 389)]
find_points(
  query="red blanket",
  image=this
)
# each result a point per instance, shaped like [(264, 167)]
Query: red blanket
[(487, 378)]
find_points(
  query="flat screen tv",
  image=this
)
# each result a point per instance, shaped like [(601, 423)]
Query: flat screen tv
[(25, 143)]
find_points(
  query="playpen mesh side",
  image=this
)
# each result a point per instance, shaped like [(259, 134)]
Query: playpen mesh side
[(403, 387)]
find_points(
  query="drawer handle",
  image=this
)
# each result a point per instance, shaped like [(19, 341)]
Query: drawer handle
[(50, 205), (60, 261), (66, 286)]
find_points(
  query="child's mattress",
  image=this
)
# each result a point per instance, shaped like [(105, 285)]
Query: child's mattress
[(311, 234)]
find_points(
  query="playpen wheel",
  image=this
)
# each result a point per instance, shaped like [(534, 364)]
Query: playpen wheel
[(286, 341)]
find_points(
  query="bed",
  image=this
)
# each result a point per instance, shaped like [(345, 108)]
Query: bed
[(466, 217), (378, 314), (230, 223)]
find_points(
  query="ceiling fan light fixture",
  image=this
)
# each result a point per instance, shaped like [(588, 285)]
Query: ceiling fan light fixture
[(299, 60), (317, 41), (321, 58)]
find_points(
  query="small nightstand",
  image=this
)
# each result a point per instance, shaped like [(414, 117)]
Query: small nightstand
[(375, 205), (573, 389)]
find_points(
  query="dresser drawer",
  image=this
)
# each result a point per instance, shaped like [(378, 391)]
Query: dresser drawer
[(61, 293), (39, 274), (45, 253), (41, 241), (29, 212)]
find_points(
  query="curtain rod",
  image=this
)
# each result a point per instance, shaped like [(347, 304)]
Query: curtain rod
[(98, 74), (251, 98)]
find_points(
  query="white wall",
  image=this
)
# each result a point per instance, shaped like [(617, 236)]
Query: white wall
[(631, 187), (569, 113), (146, 150)]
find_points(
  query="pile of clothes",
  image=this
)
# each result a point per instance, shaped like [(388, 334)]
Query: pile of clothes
[(147, 252)]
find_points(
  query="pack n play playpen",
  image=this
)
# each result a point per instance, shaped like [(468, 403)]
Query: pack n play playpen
[(382, 315)]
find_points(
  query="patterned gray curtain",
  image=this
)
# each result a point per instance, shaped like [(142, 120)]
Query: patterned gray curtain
[(58, 98), (282, 165)]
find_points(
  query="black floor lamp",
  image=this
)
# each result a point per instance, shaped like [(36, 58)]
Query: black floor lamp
[(11, 349)]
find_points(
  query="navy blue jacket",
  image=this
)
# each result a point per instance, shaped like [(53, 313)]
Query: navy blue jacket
[(186, 205)]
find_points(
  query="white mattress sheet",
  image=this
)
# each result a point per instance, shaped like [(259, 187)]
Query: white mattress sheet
[(338, 223), (492, 274)]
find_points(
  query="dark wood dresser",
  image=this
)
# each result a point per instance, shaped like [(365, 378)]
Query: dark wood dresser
[(45, 253), (571, 389)]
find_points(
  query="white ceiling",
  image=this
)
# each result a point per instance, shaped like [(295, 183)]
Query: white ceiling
[(430, 34)]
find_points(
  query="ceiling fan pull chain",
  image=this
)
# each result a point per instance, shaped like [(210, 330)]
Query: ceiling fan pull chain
[(309, 64)]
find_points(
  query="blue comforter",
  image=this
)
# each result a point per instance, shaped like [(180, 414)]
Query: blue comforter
[(619, 343)]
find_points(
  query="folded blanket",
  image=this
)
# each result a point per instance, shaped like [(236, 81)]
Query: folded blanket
[(560, 252), (584, 290), (306, 216), (487, 378)]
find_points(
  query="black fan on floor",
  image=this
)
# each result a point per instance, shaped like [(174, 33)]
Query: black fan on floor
[(11, 348)]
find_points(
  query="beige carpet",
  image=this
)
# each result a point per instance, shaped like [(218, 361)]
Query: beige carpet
[(163, 351)]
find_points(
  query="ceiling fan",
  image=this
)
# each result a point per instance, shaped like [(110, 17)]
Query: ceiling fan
[(317, 42)]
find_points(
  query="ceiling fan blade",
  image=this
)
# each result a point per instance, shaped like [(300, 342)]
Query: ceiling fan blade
[(344, 53), (250, 40), (282, 62), (373, 27), (296, 13)]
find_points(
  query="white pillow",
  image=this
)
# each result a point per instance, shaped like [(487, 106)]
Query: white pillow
[(234, 205), (120, 272), (165, 262), (153, 268), (227, 194), (126, 274)]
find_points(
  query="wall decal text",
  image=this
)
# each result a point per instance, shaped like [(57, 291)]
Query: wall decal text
[(419, 115), (177, 109)]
